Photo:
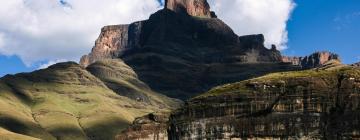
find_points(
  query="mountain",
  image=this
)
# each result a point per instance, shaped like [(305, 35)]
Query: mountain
[(314, 60), (183, 50), (356, 64), (65, 101), (309, 104), (234, 87)]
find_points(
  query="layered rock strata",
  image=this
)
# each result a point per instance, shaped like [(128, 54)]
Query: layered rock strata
[(314, 104), (314, 60)]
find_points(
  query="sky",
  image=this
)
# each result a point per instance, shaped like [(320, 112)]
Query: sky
[(37, 33)]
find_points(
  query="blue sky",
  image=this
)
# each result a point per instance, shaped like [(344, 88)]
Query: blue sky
[(315, 25), (332, 25)]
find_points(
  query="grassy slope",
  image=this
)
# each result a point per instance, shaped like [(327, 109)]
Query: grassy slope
[(328, 73), (122, 79), (64, 102)]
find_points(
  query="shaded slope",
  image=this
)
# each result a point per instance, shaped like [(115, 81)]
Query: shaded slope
[(124, 81), (181, 55), (65, 102), (183, 50)]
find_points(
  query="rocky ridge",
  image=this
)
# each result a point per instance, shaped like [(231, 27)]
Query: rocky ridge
[(314, 60), (356, 64), (181, 55)]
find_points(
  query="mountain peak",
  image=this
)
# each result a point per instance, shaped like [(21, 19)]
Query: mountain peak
[(199, 8)]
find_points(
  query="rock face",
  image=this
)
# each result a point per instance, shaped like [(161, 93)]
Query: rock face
[(149, 127), (112, 41), (181, 55), (322, 104), (199, 8), (356, 64), (314, 60)]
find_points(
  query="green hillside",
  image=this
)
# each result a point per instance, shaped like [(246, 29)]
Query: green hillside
[(67, 102)]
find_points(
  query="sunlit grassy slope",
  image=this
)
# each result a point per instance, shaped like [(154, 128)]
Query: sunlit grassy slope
[(66, 102), (330, 73)]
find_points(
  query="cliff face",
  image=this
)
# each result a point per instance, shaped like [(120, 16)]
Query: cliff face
[(181, 55), (199, 8), (112, 41), (312, 61), (149, 127), (322, 104)]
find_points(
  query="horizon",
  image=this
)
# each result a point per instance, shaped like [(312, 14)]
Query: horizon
[(299, 28)]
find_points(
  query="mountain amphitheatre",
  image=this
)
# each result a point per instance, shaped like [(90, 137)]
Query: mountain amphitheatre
[(183, 74)]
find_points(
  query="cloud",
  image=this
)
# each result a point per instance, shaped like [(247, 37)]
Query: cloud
[(51, 30), (268, 17), (42, 30)]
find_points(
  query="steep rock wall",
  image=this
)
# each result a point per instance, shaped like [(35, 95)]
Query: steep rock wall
[(305, 105)]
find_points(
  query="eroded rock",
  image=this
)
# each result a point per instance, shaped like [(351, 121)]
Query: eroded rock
[(314, 60)]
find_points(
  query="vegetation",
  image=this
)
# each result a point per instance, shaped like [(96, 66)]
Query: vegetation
[(64, 102), (330, 74)]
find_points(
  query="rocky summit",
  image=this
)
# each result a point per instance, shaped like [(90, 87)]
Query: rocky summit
[(182, 55), (199, 8), (231, 87)]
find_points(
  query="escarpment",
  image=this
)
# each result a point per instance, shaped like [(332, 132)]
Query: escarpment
[(314, 60), (181, 55), (312, 104)]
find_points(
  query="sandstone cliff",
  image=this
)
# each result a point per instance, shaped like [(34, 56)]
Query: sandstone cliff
[(312, 104), (199, 8), (314, 60)]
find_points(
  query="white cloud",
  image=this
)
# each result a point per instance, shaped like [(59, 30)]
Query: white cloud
[(51, 30), (268, 17), (51, 62), (41, 30)]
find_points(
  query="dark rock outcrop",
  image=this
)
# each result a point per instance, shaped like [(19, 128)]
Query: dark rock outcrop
[(314, 60), (181, 55), (312, 104)]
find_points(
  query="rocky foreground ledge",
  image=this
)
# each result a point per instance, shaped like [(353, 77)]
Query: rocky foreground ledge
[(322, 103)]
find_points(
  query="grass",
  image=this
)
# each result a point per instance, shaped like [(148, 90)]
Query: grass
[(64, 102), (329, 74)]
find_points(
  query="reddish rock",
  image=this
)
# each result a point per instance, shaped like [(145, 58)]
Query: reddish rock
[(198, 8), (292, 59), (314, 60), (112, 41), (148, 127)]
